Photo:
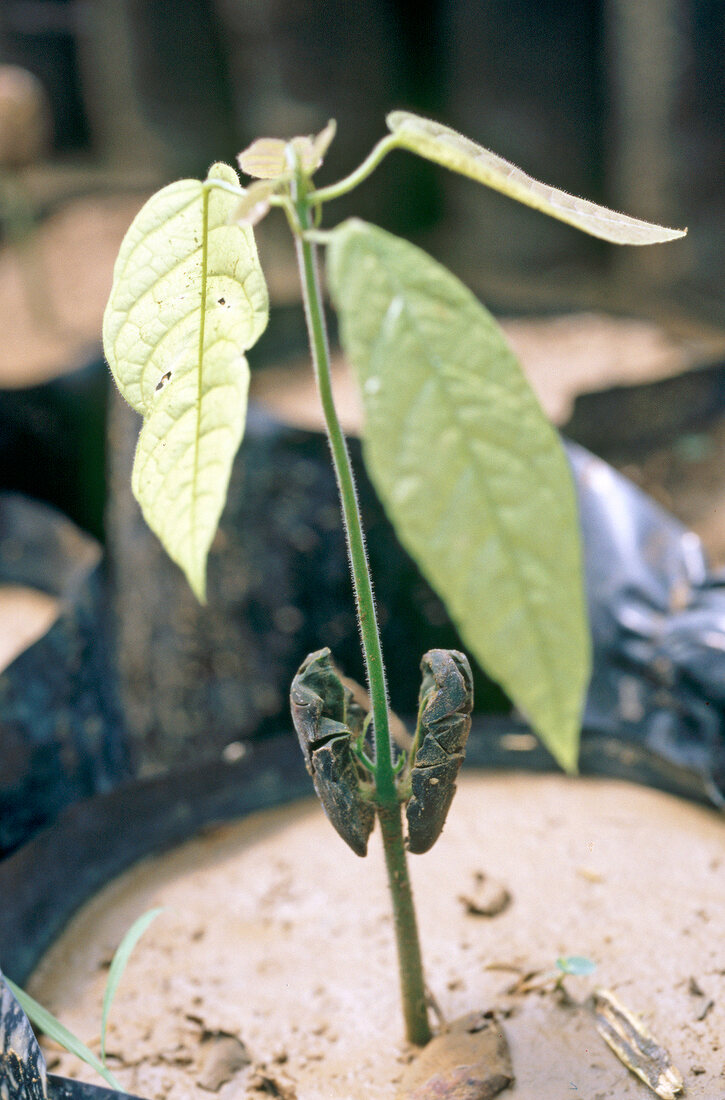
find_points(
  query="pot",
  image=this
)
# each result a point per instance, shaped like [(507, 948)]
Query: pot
[(60, 723), (489, 918)]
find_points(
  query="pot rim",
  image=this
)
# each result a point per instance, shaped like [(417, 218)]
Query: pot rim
[(48, 878)]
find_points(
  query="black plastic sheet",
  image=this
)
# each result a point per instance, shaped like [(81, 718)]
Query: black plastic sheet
[(62, 736), (658, 626), (65, 1088)]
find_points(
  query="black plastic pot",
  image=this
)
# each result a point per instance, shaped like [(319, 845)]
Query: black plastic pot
[(61, 734), (47, 879), (53, 442)]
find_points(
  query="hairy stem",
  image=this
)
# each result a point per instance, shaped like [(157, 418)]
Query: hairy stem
[(412, 984), (372, 650), (335, 190), (409, 958)]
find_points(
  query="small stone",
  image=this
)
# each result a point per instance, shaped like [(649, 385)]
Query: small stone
[(470, 1060), (221, 1058)]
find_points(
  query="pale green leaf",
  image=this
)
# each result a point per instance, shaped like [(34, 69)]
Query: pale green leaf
[(256, 202), (118, 966), (55, 1030), (473, 476), (447, 147), (188, 299), (267, 158)]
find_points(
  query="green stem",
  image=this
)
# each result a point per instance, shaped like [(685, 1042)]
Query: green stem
[(388, 806), (412, 985), (365, 602), (372, 160)]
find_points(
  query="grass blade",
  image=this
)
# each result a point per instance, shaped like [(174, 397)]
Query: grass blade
[(118, 966)]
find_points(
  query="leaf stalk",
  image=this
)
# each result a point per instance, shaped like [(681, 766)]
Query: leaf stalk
[(368, 166)]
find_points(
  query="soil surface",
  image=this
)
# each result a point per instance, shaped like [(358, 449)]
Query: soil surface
[(272, 970)]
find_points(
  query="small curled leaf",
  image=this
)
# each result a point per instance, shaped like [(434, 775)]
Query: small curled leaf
[(327, 723), (446, 702), (447, 147), (266, 158)]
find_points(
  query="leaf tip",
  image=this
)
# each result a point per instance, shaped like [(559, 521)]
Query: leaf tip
[(649, 233), (197, 582), (566, 754), (395, 119)]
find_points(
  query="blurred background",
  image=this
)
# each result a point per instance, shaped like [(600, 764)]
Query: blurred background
[(623, 103), (103, 101)]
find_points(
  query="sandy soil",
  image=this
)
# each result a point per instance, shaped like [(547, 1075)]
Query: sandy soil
[(26, 614), (273, 964)]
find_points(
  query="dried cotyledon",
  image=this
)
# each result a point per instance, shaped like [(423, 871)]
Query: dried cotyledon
[(329, 714)]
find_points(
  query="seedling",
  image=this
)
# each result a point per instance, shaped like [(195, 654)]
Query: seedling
[(552, 981), (471, 474), (578, 966)]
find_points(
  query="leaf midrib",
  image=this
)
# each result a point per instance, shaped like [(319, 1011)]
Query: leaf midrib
[(435, 365)]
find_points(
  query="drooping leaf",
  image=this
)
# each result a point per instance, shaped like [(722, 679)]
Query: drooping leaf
[(471, 473), (447, 147), (188, 299)]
